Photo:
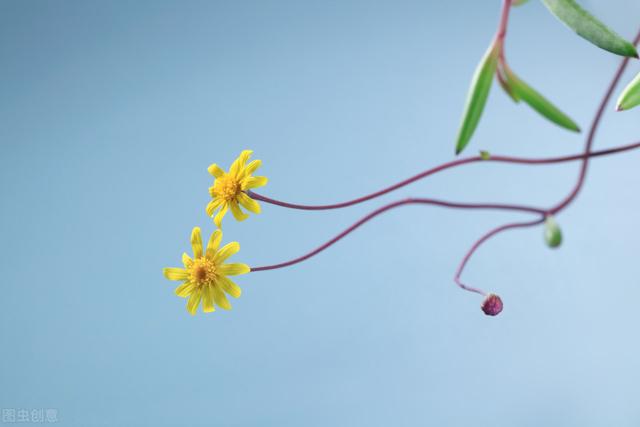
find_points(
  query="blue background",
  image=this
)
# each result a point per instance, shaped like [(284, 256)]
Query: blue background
[(110, 113)]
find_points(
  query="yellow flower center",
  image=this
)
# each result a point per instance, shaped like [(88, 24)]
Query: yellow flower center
[(226, 187), (202, 271)]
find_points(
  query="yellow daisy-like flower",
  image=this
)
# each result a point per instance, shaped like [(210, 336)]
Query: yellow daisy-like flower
[(229, 189), (205, 276)]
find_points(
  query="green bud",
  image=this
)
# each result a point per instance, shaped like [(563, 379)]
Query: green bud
[(552, 232)]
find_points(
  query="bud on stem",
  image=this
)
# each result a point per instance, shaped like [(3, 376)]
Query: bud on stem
[(492, 305)]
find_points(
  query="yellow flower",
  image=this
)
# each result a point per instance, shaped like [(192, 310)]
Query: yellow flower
[(205, 276), (229, 189)]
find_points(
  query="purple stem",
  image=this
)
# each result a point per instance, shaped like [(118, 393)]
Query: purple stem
[(584, 157), (504, 21), (507, 159), (479, 242), (440, 168), (409, 201), (595, 123), (592, 133)]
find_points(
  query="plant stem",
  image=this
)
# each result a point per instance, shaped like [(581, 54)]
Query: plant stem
[(388, 207), (584, 158), (479, 242), (587, 154), (505, 159), (440, 168), (595, 123), (504, 21)]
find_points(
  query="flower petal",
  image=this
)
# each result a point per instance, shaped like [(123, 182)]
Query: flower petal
[(194, 301), (186, 260), (184, 290), (250, 168), (207, 300), (248, 203), (237, 212), (254, 182), (213, 205), (234, 269), (221, 213), (215, 170), (173, 273), (226, 251), (196, 242), (229, 287), (221, 299), (238, 164), (214, 244)]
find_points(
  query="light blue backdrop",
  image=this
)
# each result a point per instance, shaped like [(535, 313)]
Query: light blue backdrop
[(110, 113)]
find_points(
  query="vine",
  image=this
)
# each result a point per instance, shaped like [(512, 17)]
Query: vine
[(205, 276)]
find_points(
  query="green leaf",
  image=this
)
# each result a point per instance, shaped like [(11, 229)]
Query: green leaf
[(538, 102), (589, 27), (630, 95), (502, 79), (519, 2), (552, 233), (477, 97), (485, 155)]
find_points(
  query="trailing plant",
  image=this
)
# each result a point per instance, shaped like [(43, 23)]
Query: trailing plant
[(205, 276)]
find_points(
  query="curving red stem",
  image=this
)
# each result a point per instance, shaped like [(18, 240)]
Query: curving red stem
[(587, 154), (584, 158)]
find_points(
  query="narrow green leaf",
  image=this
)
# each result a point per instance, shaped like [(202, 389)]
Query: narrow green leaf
[(519, 2), (552, 233), (502, 79), (589, 27), (630, 95), (539, 102), (477, 97)]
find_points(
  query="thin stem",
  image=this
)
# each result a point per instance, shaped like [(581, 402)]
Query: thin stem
[(584, 157), (504, 21), (508, 159), (479, 242), (501, 35), (595, 123), (587, 154), (388, 207), (440, 168)]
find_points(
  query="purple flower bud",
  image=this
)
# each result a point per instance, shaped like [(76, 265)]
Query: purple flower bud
[(492, 305)]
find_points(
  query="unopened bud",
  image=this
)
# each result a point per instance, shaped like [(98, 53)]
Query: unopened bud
[(492, 305), (552, 233), (485, 155)]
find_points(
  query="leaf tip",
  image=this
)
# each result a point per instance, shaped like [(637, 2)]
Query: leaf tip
[(631, 51), (461, 143), (573, 126)]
